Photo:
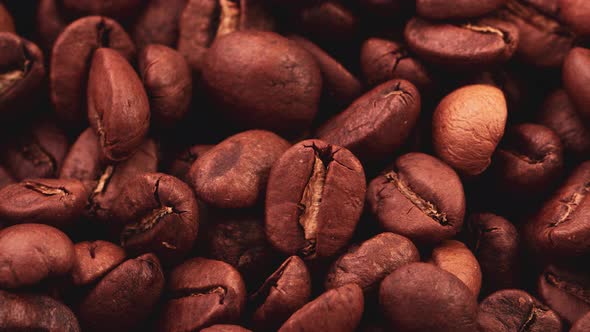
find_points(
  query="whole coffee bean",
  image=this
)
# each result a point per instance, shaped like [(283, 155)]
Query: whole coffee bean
[(421, 198), (515, 310), (454, 257), (582, 324), (202, 292), (314, 199), (495, 242), (383, 60), (282, 294), (370, 262), (158, 23), (575, 13), (50, 23), (424, 290), (21, 72), (20, 312), (55, 202), (124, 297), (245, 72), (93, 260), (444, 10), (481, 44), (565, 291), (118, 107), (377, 123), (225, 328), (338, 309), (159, 214), (559, 114), (575, 77), (71, 58), (118, 9), (467, 126), (181, 166), (168, 83), (328, 22), (6, 21), (234, 173), (30, 253)]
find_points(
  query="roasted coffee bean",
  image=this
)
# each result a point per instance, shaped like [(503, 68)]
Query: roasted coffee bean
[(225, 328), (55, 202), (328, 22), (575, 13), (445, 10), (424, 290), (421, 198), (515, 310), (118, 9), (93, 260), (454, 257), (314, 199), (371, 261), (6, 21), (575, 77), (20, 312), (377, 123), (282, 294), (202, 292), (70, 63), (242, 87), (565, 291), (158, 23), (582, 324), (50, 23), (181, 166), (338, 309), (30, 253), (467, 126)]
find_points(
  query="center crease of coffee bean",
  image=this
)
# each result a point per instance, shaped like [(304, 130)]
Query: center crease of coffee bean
[(577, 291), (229, 18), (271, 282), (46, 190), (145, 224), (571, 203), (37, 155), (191, 292), (531, 318)]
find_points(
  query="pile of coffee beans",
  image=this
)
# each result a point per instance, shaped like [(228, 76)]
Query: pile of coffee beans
[(295, 165)]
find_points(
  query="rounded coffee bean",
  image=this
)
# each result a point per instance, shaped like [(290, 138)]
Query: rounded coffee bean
[(245, 72), (371, 261), (30, 253), (314, 199), (282, 294), (118, 9), (6, 21), (515, 310), (181, 166), (377, 123), (202, 292), (454, 257), (158, 23), (421, 198), (565, 291), (467, 126), (338, 309), (234, 173), (93, 260), (424, 290), (576, 13), (444, 10), (159, 214), (576, 77), (582, 324), (225, 328)]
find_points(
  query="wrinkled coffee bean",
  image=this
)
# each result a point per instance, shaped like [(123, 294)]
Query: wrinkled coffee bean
[(454, 257), (565, 291), (576, 77), (158, 23), (445, 10), (181, 165), (93, 260), (6, 20), (582, 324)]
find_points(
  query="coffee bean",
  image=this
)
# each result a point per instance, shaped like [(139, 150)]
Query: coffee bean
[(117, 9), (575, 13), (93, 260), (444, 10), (158, 23), (565, 291), (6, 20), (575, 78), (454, 257), (327, 22), (582, 324)]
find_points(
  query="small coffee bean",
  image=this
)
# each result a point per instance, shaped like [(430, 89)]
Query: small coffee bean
[(575, 77), (181, 165), (6, 20), (582, 324), (118, 9), (454, 257), (93, 260), (225, 328), (158, 23), (445, 10), (575, 13), (565, 291)]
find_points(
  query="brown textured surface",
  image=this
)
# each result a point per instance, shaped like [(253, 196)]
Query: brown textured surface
[(95, 259), (454, 257)]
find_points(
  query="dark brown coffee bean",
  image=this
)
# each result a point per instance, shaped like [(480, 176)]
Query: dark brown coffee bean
[(481, 44), (582, 324), (118, 107), (159, 214), (123, 298), (234, 173), (515, 310), (55, 202), (118, 9), (467, 126), (245, 72), (328, 22), (225, 328), (202, 292), (21, 72), (377, 123), (181, 166), (421, 198), (445, 10), (424, 290), (30, 253), (6, 21), (314, 199), (282, 294), (158, 23), (454, 257), (566, 292), (71, 58), (50, 23), (20, 312), (575, 13), (371, 261), (338, 309), (93, 260), (575, 77)]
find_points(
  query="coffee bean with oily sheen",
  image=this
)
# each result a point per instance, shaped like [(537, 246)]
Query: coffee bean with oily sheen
[(445, 10), (576, 77), (181, 165), (202, 292), (371, 261), (515, 310), (575, 13), (6, 20), (582, 324), (234, 173), (225, 328), (29, 312), (118, 107), (158, 213), (377, 123), (118, 9), (30, 253), (565, 291), (93, 260), (423, 290), (480, 44), (284, 292), (262, 80), (421, 198), (158, 23), (71, 58), (467, 126), (454, 257), (55, 202), (314, 199), (338, 309)]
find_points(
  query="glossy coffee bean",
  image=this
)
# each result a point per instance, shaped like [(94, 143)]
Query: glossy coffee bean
[(158, 23), (575, 77), (421, 198), (181, 165), (582, 324), (93, 260), (118, 9), (454, 257), (444, 10), (6, 20), (314, 199), (30, 253), (575, 13), (565, 291)]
